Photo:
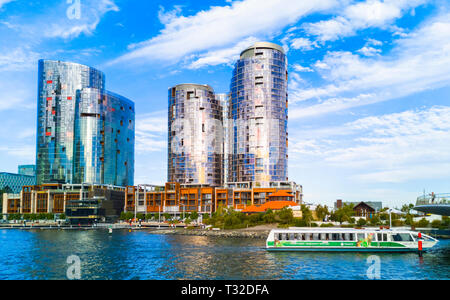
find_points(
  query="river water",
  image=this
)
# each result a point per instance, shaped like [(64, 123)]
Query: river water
[(142, 255)]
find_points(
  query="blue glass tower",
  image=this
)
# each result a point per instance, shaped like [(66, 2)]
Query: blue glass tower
[(259, 115), (77, 120)]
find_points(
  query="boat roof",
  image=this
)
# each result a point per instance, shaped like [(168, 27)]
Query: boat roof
[(331, 229)]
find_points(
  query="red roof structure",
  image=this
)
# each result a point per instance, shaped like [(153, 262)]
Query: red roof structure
[(272, 205)]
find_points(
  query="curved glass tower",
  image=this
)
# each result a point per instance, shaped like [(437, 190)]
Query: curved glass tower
[(195, 136), (76, 119), (259, 114)]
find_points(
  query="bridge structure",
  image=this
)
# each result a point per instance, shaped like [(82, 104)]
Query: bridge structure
[(438, 204)]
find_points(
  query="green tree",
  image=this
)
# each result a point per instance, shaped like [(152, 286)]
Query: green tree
[(361, 222), (423, 223), (140, 217), (343, 214), (167, 216), (269, 217), (307, 215), (375, 220), (286, 216), (194, 215), (322, 212), (436, 224), (406, 208)]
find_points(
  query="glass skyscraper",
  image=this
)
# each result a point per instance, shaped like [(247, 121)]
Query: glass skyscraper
[(195, 152), (84, 133), (259, 115)]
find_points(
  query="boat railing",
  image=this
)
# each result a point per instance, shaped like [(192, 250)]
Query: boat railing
[(433, 199)]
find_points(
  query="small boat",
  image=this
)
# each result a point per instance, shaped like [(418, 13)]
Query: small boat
[(342, 239)]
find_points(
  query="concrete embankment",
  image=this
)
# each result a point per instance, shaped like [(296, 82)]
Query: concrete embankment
[(211, 233)]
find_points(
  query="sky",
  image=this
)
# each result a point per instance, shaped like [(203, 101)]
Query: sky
[(369, 81)]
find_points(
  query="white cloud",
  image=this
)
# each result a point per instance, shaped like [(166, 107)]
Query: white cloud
[(151, 132), (300, 68), (220, 27), (390, 148), (417, 63), (91, 14), (302, 44), (3, 2), (362, 15), (56, 23), (21, 58), (369, 51), (20, 151), (222, 56)]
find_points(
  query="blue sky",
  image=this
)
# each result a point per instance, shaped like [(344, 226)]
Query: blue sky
[(369, 88)]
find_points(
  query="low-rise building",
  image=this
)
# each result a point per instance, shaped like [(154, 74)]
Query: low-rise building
[(71, 199), (12, 183), (177, 199), (376, 205)]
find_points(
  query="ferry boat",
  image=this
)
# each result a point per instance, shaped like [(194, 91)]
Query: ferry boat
[(342, 239)]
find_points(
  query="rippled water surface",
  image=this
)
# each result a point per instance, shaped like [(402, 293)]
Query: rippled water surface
[(141, 255)]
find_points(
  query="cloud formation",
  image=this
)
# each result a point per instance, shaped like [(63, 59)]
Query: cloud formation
[(417, 63), (216, 29)]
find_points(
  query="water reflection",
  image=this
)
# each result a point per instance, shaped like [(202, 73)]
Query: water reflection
[(141, 255)]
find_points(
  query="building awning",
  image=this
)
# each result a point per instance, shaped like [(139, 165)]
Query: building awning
[(281, 193), (272, 205)]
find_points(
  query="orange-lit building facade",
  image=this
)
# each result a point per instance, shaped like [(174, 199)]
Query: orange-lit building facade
[(176, 199)]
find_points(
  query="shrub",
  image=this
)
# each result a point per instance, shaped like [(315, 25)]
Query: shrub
[(286, 216), (436, 224), (375, 221), (194, 215), (298, 222), (397, 223), (361, 222), (326, 225), (140, 217), (62, 216), (269, 217), (423, 223)]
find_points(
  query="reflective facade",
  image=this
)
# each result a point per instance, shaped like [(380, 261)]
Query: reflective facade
[(77, 120), (195, 152), (28, 170), (223, 99), (13, 183), (259, 115)]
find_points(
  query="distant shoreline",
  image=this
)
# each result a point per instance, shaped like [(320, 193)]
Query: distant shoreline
[(258, 232), (255, 234)]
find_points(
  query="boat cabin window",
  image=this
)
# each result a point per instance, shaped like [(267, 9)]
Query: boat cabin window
[(361, 236), (296, 236), (373, 236), (402, 237), (335, 236), (303, 237), (424, 237)]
